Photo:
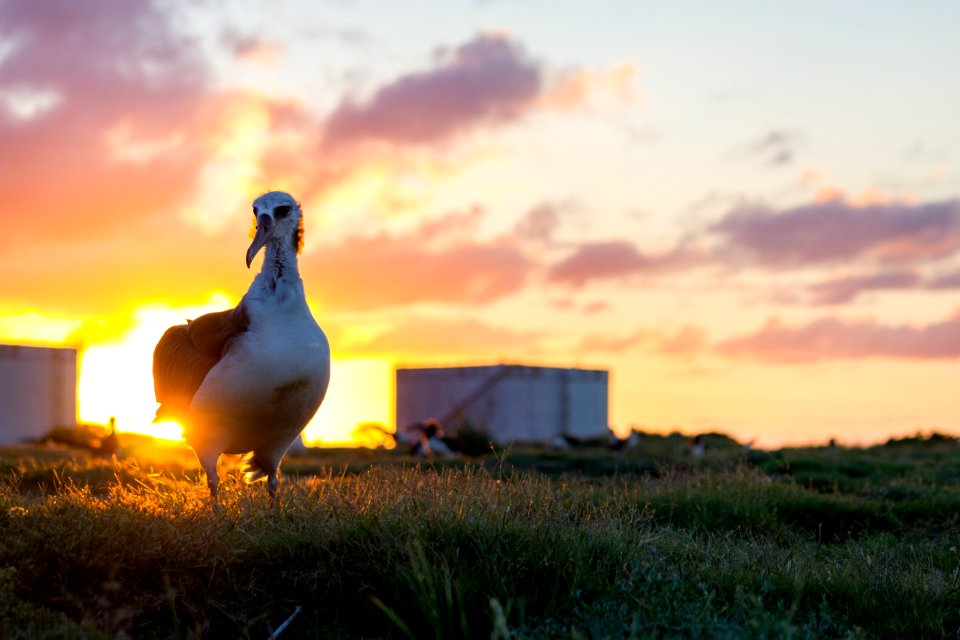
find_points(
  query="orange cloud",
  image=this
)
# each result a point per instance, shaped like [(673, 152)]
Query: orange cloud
[(445, 338), (617, 259), (824, 192), (834, 338), (428, 264), (681, 342), (586, 87)]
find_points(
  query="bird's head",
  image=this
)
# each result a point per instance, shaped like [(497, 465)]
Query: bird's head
[(277, 216)]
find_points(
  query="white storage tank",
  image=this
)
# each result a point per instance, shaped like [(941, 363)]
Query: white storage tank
[(38, 391), (512, 402)]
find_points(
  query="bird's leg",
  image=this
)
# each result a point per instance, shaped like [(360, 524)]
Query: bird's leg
[(209, 464), (213, 483), (272, 483)]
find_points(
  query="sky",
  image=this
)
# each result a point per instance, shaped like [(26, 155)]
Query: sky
[(748, 212)]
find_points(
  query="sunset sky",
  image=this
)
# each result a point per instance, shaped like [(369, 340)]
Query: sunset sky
[(748, 212)]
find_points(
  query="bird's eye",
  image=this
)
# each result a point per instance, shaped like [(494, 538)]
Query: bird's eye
[(282, 211)]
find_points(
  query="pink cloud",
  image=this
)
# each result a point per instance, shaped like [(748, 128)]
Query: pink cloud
[(369, 272), (838, 231), (847, 288), (949, 280), (453, 224), (540, 223), (114, 66), (834, 338), (488, 79), (615, 259)]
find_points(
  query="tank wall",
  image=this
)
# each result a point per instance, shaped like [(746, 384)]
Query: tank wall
[(589, 406), (523, 403), (38, 391)]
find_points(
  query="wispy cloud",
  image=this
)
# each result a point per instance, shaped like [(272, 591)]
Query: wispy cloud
[(847, 288), (835, 338), (777, 148)]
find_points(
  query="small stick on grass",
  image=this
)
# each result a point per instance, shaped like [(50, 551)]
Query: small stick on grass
[(285, 623)]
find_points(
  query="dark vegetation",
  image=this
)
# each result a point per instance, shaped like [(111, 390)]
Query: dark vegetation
[(519, 543)]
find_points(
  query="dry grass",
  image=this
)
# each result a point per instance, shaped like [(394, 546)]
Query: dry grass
[(370, 545)]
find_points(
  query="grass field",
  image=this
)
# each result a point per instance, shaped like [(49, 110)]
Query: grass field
[(522, 543)]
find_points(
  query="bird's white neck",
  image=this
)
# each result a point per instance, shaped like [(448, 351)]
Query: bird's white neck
[(280, 262)]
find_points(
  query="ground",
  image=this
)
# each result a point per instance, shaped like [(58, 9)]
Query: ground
[(518, 543)]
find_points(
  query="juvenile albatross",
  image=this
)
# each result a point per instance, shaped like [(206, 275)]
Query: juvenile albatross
[(247, 380)]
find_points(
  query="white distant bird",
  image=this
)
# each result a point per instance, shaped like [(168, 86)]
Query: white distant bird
[(247, 380)]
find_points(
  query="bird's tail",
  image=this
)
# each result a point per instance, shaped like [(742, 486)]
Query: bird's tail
[(256, 467)]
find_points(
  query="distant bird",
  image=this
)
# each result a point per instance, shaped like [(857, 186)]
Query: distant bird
[(109, 447), (630, 442), (698, 446), (434, 443), (426, 440), (247, 380)]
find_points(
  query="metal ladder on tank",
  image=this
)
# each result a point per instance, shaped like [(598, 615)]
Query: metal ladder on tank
[(476, 394)]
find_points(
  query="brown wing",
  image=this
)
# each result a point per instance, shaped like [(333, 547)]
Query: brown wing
[(186, 353), (212, 333)]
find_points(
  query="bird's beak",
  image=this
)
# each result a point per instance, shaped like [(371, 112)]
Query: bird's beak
[(264, 223)]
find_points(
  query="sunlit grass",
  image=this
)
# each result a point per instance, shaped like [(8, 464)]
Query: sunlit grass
[(371, 544)]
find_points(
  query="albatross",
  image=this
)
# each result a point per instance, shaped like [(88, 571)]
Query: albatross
[(247, 380)]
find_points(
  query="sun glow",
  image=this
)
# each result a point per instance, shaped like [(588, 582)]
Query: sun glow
[(33, 327), (359, 392), (116, 373)]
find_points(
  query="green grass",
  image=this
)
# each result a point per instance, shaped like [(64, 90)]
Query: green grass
[(523, 543)]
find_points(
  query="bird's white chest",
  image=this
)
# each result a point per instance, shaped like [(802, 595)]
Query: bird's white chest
[(281, 365)]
